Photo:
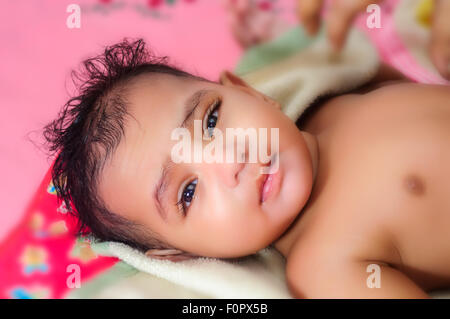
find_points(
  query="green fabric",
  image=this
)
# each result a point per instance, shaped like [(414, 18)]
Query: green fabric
[(101, 248), (286, 44)]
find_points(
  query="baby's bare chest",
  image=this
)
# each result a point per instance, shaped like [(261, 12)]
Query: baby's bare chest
[(384, 189)]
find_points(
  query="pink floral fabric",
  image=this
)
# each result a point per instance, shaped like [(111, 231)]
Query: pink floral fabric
[(37, 259)]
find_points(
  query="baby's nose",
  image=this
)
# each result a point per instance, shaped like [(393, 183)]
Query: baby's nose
[(228, 174)]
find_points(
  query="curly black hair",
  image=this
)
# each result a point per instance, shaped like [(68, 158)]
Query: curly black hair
[(87, 131)]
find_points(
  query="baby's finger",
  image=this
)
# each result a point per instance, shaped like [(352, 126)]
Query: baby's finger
[(340, 19), (309, 14)]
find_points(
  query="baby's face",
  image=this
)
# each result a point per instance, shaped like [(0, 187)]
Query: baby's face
[(223, 213)]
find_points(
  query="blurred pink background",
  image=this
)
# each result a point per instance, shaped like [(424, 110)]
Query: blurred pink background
[(39, 51)]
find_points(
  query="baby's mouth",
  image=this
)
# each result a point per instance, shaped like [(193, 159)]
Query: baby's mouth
[(265, 180)]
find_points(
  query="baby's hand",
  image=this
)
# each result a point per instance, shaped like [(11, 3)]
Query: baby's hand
[(440, 38), (339, 17)]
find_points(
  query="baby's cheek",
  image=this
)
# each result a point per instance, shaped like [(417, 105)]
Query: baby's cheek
[(239, 234)]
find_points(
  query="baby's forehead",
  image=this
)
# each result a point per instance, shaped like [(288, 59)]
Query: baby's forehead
[(133, 166), (156, 90), (158, 102), (155, 108), (153, 105)]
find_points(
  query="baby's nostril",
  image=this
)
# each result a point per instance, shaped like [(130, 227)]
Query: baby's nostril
[(240, 167)]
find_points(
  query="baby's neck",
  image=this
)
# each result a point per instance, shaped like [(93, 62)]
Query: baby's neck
[(313, 147)]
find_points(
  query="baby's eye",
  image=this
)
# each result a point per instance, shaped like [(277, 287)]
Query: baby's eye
[(211, 117), (187, 196)]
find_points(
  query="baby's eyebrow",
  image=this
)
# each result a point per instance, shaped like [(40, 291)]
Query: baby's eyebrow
[(160, 191), (191, 104)]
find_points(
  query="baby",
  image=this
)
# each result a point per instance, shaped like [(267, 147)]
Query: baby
[(361, 183), (365, 181)]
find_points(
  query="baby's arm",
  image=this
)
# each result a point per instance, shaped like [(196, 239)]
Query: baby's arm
[(348, 278)]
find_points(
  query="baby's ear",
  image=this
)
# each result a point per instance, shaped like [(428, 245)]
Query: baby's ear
[(168, 254), (229, 79)]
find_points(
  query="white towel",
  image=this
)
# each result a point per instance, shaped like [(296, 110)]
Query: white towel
[(257, 276)]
